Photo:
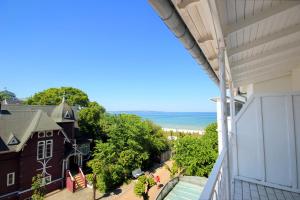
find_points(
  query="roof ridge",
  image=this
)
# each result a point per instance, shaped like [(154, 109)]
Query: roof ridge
[(24, 110), (28, 105), (34, 120)]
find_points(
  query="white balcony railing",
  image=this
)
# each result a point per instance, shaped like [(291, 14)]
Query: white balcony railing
[(216, 186)]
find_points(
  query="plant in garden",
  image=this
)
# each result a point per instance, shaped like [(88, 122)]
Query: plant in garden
[(38, 187), (142, 186), (175, 170)]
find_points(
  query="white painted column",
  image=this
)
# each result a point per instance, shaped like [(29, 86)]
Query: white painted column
[(233, 138), (222, 75)]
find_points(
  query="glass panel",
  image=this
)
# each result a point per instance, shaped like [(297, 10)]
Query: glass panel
[(47, 179), (41, 146), (41, 134), (49, 134), (48, 148)]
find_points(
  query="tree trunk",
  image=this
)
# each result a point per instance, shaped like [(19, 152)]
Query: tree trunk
[(94, 186)]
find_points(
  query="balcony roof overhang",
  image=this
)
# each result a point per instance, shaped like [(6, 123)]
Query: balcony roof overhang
[(261, 38)]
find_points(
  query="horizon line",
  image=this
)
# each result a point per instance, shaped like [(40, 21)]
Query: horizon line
[(161, 111)]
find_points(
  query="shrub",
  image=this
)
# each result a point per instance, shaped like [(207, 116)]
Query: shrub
[(89, 177), (197, 155), (38, 187), (142, 186)]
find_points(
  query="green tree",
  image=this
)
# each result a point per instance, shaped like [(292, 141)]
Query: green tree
[(38, 188), (142, 186), (53, 96), (89, 119), (131, 144), (175, 170), (197, 155), (5, 94)]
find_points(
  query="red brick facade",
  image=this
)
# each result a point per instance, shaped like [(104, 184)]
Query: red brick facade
[(25, 166)]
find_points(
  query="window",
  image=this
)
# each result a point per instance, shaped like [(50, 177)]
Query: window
[(49, 148), (13, 141), (44, 149), (10, 178), (85, 148), (49, 134), (67, 115), (40, 150), (46, 180), (41, 134)]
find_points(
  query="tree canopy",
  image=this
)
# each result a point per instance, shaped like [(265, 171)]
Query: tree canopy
[(53, 96), (132, 143), (89, 119), (197, 154), (5, 94)]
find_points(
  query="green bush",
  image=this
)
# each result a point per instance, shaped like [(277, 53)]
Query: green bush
[(89, 177), (197, 155), (38, 188), (142, 186)]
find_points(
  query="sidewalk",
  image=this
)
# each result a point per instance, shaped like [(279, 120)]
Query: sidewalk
[(125, 192)]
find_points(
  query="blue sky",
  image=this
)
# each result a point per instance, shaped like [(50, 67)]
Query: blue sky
[(120, 53)]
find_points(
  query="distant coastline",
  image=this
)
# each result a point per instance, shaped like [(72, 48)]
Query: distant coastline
[(188, 122)]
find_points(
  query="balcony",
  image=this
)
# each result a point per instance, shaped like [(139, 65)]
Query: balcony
[(216, 188)]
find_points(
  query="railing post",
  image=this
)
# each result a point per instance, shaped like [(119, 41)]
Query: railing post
[(222, 77)]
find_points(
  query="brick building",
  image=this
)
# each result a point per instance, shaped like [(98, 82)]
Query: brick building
[(38, 140)]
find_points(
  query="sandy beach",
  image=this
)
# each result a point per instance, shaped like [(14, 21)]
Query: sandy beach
[(190, 131)]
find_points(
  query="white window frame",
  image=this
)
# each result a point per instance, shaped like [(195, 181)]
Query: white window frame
[(46, 180), (51, 134), (50, 142), (13, 141), (41, 134), (8, 177), (43, 144), (67, 115)]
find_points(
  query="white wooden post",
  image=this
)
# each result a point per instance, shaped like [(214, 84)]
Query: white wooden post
[(233, 158), (222, 74)]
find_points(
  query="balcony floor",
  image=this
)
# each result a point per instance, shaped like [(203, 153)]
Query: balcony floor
[(250, 191)]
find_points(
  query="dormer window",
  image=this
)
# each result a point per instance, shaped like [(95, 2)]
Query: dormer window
[(67, 114), (13, 141)]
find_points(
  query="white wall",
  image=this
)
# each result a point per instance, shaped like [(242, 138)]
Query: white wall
[(287, 83), (282, 84), (268, 145)]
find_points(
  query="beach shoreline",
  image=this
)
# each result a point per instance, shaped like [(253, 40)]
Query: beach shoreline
[(190, 131)]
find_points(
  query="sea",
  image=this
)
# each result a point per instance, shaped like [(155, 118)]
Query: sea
[(177, 120)]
